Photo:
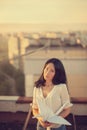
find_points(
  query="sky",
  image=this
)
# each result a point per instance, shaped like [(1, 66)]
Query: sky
[(43, 11)]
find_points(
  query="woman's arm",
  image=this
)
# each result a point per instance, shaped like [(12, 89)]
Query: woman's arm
[(35, 111), (65, 97), (65, 112)]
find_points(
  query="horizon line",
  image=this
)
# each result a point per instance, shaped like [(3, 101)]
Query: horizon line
[(41, 27)]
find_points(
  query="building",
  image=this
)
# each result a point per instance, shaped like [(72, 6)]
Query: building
[(16, 48)]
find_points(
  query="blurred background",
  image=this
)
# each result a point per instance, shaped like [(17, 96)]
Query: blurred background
[(33, 31)]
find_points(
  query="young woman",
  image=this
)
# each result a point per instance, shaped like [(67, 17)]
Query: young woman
[(52, 88)]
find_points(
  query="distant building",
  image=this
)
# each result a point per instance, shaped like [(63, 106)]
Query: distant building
[(16, 48), (13, 51), (3, 47)]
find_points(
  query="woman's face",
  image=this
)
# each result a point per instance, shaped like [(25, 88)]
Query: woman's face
[(49, 72)]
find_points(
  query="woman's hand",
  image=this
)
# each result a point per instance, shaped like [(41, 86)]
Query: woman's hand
[(45, 124)]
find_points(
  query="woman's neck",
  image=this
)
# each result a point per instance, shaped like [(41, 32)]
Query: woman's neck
[(48, 84)]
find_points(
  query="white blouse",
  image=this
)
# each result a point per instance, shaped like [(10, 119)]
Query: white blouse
[(55, 99)]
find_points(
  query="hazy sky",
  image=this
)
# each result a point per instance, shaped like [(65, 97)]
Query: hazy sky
[(43, 11)]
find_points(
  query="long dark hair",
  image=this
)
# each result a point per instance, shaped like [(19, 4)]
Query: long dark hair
[(60, 74)]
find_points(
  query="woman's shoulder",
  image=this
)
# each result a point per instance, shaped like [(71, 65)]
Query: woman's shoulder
[(60, 85), (37, 89)]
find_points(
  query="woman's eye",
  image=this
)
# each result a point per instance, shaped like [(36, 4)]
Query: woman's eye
[(52, 70)]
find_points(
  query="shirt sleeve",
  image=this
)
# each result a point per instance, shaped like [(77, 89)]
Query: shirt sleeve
[(34, 104), (65, 96)]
